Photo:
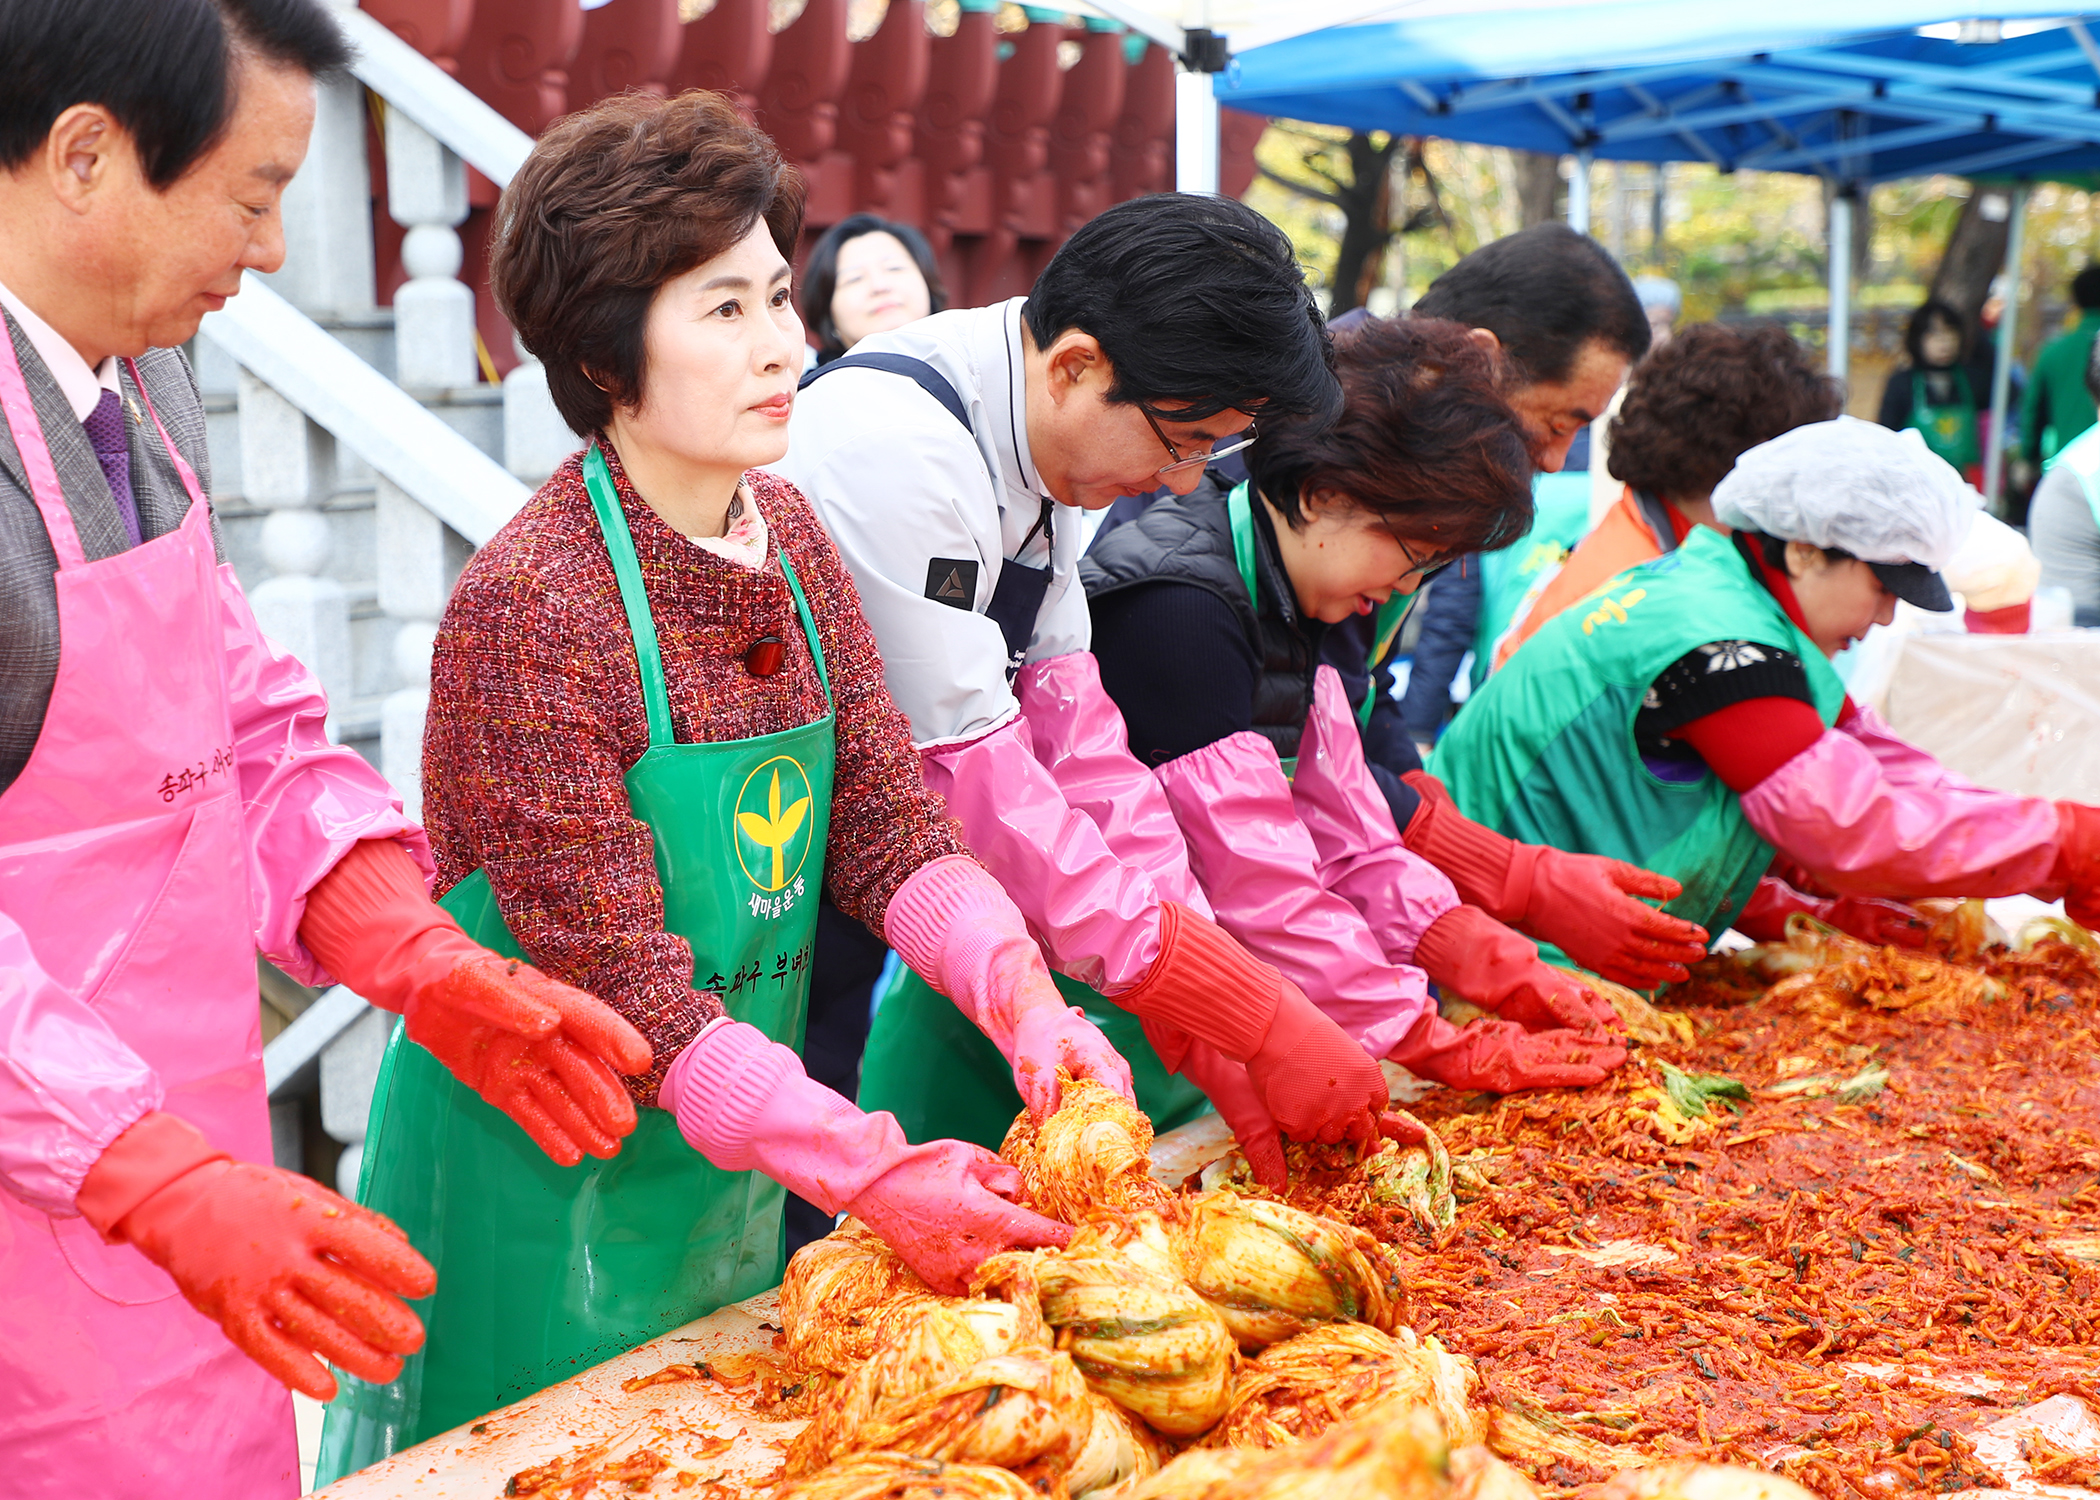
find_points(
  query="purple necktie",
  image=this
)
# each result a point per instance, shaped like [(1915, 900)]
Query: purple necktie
[(105, 429)]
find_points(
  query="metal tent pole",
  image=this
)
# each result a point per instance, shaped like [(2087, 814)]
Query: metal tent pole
[(1838, 354), (1579, 194), (2001, 376), (1195, 133)]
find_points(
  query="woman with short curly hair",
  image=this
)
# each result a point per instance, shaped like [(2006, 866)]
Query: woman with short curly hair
[(1693, 407), (657, 729)]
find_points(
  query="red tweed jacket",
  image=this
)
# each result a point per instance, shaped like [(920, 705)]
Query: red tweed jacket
[(536, 715)]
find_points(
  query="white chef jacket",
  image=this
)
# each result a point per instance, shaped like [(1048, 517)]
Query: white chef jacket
[(918, 505)]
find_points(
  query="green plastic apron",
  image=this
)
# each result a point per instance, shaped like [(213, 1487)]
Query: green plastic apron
[(1950, 430), (544, 1271)]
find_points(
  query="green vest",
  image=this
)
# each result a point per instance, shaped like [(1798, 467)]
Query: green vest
[(1545, 753), (1561, 518)]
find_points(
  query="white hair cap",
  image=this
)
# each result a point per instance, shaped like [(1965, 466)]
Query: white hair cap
[(1882, 496)]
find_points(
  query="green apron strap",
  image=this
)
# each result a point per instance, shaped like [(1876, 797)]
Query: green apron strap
[(1385, 629), (619, 545), (809, 625), (1239, 510)]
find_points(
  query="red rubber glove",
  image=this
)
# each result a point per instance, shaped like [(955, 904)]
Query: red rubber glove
[(1469, 954), (1502, 1057), (543, 1052), (1871, 919), (2078, 861), (1585, 905), (1225, 1083), (284, 1266), (1312, 1079)]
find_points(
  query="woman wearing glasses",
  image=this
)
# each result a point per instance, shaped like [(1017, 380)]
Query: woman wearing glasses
[(1209, 613), (949, 460)]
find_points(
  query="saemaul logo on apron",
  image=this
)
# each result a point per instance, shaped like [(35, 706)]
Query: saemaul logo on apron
[(772, 823)]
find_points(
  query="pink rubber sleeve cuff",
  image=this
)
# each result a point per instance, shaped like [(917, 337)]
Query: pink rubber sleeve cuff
[(1257, 860), (1077, 732), (304, 802), (1360, 857), (139, 1163), (1833, 809), (69, 1085), (1096, 915)]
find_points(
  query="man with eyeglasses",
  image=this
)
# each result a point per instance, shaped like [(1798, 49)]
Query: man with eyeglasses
[(949, 459)]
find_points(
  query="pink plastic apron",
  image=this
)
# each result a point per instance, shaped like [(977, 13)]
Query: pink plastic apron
[(122, 857)]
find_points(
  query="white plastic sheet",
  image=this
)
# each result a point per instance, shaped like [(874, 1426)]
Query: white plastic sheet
[(2017, 712)]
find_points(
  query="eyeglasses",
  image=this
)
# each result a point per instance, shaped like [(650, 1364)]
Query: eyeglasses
[(1194, 460), (1423, 571)]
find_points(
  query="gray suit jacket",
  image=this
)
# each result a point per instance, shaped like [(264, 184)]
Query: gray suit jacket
[(28, 596)]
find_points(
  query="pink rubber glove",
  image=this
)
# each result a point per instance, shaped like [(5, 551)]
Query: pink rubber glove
[(285, 1267), (1841, 811), (957, 930), (1871, 919), (1502, 1057), (745, 1104), (1474, 957), (1583, 904), (543, 1052)]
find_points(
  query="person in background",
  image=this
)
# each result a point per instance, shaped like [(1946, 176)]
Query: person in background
[(1208, 616), (171, 806), (2059, 405), (1937, 393), (657, 728), (1690, 720), (2064, 521), (1663, 302), (1692, 407), (867, 275), (952, 477)]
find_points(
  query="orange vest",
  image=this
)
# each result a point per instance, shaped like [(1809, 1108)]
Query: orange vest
[(1624, 537)]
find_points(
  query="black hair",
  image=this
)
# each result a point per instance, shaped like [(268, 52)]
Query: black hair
[(1425, 440), (2092, 371), (820, 277), (163, 68), (1199, 304), (1544, 292), (2085, 288), (1933, 310)]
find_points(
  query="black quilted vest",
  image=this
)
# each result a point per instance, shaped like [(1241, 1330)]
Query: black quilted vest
[(1189, 540)]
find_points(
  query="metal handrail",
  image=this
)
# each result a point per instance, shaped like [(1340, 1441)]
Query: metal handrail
[(393, 432), (434, 99)]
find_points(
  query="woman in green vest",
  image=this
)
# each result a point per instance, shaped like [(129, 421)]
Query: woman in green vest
[(657, 730), (1685, 716), (1936, 394)]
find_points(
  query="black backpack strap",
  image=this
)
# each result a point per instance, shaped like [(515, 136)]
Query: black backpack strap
[(920, 373)]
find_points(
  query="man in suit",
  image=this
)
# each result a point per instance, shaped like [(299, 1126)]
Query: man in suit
[(170, 805)]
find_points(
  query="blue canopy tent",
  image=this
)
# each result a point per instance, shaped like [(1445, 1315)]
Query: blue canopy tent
[(1846, 89)]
